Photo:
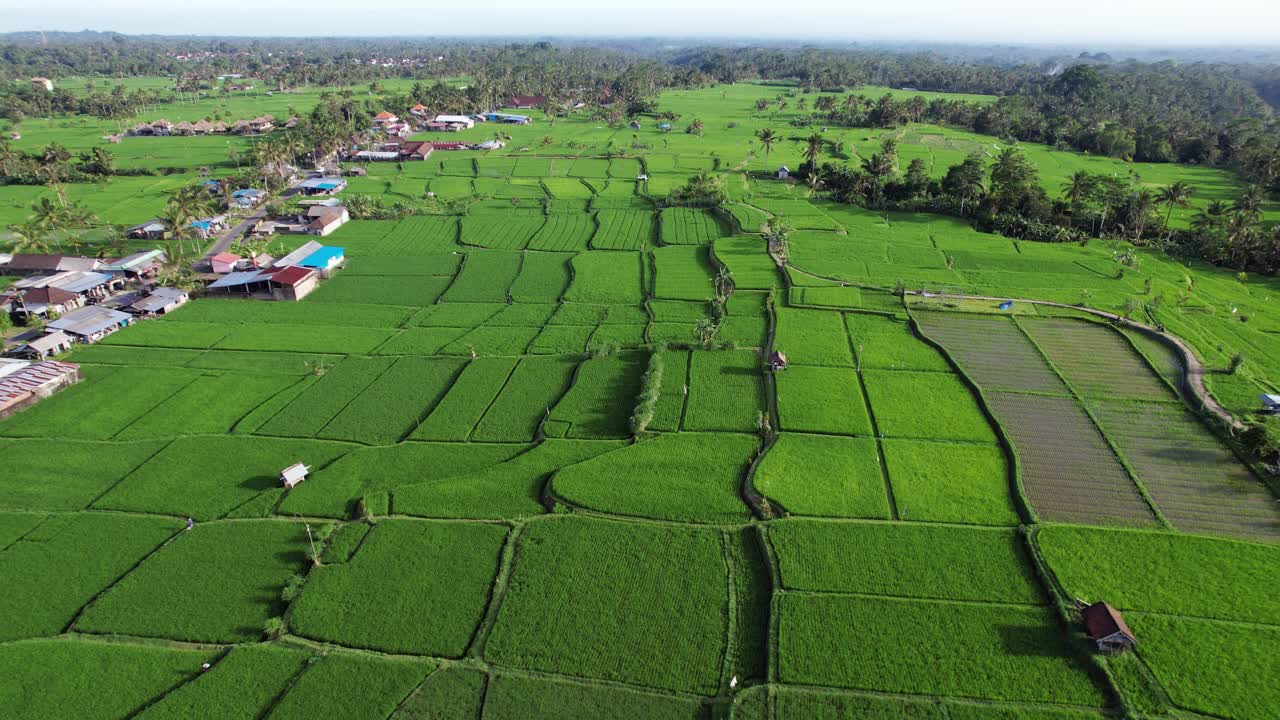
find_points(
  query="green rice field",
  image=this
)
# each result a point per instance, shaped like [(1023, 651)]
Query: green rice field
[(553, 473)]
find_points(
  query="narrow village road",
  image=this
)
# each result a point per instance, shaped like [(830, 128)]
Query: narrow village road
[(226, 239)]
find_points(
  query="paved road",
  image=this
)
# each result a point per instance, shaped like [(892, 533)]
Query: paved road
[(224, 242)]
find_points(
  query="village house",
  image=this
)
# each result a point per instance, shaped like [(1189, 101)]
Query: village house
[(248, 282), (161, 301), (777, 361), (223, 263), (262, 124), (1107, 628), (783, 173), (291, 123), (323, 256), (142, 264), (42, 83), (45, 345), (38, 302), (88, 285), (385, 118), (450, 145), (324, 260), (454, 122), (153, 229), (90, 324), (324, 219), (31, 383), (322, 186), (210, 226), (508, 118), (419, 110), (247, 197), (23, 264), (293, 283), (526, 102)]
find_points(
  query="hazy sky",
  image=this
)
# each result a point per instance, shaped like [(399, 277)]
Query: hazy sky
[(1146, 22)]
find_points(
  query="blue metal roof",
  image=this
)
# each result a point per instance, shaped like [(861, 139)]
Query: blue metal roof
[(323, 257)]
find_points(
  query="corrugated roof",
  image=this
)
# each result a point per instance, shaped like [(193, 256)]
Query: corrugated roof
[(239, 278), (323, 257), (34, 376), (134, 260), (45, 343), (298, 255), (79, 282), (292, 276), (89, 320)]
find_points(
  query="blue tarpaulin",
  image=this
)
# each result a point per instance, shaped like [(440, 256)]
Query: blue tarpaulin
[(1006, 305)]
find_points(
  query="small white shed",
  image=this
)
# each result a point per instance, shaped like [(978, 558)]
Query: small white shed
[(784, 172), (1271, 404), (294, 474)]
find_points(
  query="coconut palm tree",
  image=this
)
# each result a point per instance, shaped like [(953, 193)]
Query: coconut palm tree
[(813, 151), (29, 235), (768, 138), (1175, 195), (1144, 202)]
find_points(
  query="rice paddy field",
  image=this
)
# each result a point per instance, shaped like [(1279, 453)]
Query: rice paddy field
[(553, 473)]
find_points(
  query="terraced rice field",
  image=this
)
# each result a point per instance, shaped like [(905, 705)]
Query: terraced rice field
[(535, 491)]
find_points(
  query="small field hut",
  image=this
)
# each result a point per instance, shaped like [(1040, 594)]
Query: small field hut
[(1107, 628), (293, 475)]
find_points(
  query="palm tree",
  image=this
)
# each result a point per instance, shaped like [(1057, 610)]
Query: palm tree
[(47, 214), (29, 235), (1078, 189), (1175, 195), (768, 138), (174, 269), (1144, 201), (1246, 212), (813, 151)]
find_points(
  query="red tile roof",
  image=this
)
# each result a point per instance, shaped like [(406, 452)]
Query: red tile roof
[(292, 275), (384, 115), (1101, 620), (225, 257)]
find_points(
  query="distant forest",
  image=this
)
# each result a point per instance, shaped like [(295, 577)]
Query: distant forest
[(1202, 108)]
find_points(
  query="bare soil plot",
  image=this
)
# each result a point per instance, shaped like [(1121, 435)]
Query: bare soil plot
[(1069, 472), (1096, 360), (992, 351), (1196, 482)]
